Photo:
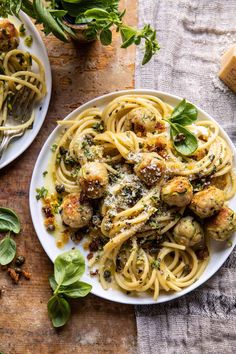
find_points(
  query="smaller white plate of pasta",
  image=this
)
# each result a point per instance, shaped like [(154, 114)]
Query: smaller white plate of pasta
[(142, 182), (25, 81)]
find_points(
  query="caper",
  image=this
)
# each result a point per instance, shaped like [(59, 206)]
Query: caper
[(51, 228), (107, 275), (20, 260), (60, 188)]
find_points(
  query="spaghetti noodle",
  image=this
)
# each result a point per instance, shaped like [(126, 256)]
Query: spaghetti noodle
[(132, 233), (22, 86)]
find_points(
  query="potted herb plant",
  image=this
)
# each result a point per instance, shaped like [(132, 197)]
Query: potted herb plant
[(84, 20)]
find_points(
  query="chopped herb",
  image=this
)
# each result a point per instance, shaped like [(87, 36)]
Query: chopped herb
[(41, 193), (229, 243), (28, 41), (22, 30), (99, 127), (156, 264), (53, 147), (58, 158)]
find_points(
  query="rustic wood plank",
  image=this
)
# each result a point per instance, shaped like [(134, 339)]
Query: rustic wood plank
[(80, 73)]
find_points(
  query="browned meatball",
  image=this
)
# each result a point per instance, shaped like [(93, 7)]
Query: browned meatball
[(221, 226), (150, 169), (178, 191), (9, 37), (93, 179), (144, 120), (207, 202), (76, 213), (188, 232)]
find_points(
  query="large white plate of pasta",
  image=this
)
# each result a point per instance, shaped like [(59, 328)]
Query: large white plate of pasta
[(25, 86), (142, 182)]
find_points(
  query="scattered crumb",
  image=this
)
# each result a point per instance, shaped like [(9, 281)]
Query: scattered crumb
[(12, 273), (90, 338), (26, 274)]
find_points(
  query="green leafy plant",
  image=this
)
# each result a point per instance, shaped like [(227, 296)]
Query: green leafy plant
[(9, 221), (99, 16), (65, 283), (184, 141)]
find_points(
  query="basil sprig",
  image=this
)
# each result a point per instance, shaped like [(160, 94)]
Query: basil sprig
[(183, 140), (65, 283), (9, 221)]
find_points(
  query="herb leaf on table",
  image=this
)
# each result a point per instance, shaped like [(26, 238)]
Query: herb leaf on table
[(9, 221), (7, 250), (65, 283)]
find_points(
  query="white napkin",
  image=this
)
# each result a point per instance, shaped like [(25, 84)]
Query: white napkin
[(193, 35)]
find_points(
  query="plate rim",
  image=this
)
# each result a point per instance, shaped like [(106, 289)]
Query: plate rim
[(46, 101), (131, 300)]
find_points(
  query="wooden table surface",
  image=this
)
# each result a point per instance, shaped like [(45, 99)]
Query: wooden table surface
[(80, 73)]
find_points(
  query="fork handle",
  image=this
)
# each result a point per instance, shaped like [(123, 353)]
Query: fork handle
[(4, 144)]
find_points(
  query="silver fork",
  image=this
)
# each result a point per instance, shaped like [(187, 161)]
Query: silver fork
[(7, 137)]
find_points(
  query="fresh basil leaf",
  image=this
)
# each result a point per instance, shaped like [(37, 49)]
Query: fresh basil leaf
[(97, 14), (58, 13), (183, 140), (7, 250), (179, 109), (52, 282), (127, 32), (184, 113), (9, 221), (69, 267), (106, 37), (50, 24), (128, 42), (148, 52), (183, 120), (78, 289), (58, 310)]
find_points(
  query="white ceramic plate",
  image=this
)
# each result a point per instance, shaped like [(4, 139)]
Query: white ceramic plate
[(219, 251), (18, 146)]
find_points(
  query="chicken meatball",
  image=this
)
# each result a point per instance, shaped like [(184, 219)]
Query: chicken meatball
[(9, 37), (93, 179), (145, 120), (150, 169), (221, 226), (178, 191), (207, 202), (76, 213), (188, 232)]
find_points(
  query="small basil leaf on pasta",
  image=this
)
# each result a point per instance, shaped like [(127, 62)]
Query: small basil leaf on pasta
[(7, 250), (69, 267), (184, 113), (9, 221), (58, 310), (184, 141)]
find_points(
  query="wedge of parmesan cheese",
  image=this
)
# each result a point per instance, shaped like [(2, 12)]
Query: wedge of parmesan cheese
[(228, 68)]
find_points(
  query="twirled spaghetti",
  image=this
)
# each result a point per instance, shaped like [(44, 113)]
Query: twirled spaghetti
[(133, 225), (22, 86)]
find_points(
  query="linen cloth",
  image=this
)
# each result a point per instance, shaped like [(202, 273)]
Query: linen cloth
[(193, 35)]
